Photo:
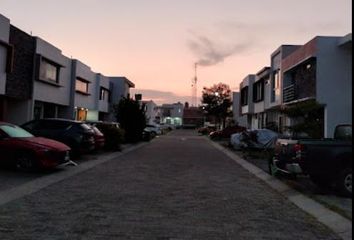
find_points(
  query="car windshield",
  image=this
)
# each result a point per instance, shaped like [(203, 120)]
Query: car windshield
[(15, 132)]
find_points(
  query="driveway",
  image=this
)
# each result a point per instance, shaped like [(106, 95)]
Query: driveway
[(177, 187)]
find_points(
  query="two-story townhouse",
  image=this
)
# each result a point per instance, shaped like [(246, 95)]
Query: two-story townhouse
[(85, 93), (52, 82), (272, 88), (19, 81), (119, 87), (246, 100), (236, 110), (151, 111), (321, 70), (104, 99), (258, 120), (5, 61)]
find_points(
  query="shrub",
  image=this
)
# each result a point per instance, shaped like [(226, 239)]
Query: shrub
[(114, 137)]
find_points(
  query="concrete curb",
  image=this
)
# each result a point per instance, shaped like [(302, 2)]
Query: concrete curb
[(43, 182), (334, 221)]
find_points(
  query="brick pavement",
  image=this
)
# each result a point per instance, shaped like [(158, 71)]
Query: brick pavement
[(177, 187)]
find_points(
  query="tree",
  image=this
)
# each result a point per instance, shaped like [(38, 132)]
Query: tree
[(131, 117), (308, 118), (217, 102)]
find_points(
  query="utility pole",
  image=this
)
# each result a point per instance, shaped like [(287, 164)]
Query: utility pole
[(194, 86)]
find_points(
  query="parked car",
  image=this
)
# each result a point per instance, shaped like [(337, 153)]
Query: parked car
[(261, 139), (206, 130), (21, 149), (113, 134), (226, 132), (76, 134), (326, 161), (153, 129), (146, 135), (99, 138)]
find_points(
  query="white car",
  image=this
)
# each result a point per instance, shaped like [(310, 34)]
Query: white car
[(153, 129)]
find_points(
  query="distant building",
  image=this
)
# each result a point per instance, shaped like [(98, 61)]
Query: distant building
[(193, 117), (170, 114)]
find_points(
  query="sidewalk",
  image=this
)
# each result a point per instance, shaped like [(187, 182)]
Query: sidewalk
[(339, 224)]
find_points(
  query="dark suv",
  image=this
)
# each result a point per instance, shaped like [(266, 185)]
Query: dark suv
[(77, 135)]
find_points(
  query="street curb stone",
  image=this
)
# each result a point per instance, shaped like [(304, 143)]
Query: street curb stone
[(331, 219)]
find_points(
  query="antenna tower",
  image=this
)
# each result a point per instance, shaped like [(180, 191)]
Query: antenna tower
[(194, 86)]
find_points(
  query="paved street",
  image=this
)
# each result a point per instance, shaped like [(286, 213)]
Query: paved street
[(177, 187)]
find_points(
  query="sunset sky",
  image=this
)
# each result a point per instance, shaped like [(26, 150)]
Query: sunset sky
[(155, 43)]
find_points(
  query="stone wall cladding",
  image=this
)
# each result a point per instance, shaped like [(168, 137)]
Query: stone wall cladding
[(20, 80)]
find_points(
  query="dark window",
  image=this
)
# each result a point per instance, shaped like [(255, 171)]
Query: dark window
[(244, 96), (258, 91), (105, 94)]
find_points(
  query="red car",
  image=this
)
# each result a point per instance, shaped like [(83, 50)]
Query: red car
[(99, 138), (21, 149)]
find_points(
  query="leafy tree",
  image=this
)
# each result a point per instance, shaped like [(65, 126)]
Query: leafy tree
[(308, 118), (217, 102), (131, 117)]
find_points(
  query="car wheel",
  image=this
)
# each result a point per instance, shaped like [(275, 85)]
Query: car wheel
[(344, 183), (26, 161)]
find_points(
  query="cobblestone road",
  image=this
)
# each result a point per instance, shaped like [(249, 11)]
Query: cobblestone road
[(177, 187)]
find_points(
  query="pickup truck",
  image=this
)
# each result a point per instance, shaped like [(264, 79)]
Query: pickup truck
[(327, 161)]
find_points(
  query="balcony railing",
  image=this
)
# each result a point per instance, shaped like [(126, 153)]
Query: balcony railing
[(289, 93)]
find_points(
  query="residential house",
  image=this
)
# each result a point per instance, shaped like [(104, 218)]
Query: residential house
[(52, 82), (258, 117), (193, 117), (83, 80), (17, 101), (246, 101), (151, 111), (236, 110), (321, 70), (272, 88), (171, 114), (5, 61), (119, 87), (103, 91)]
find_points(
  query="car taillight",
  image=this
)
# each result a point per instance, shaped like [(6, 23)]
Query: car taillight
[(298, 148)]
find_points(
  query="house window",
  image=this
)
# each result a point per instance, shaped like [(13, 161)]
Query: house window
[(258, 91), (244, 96), (49, 71), (81, 85), (105, 94)]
